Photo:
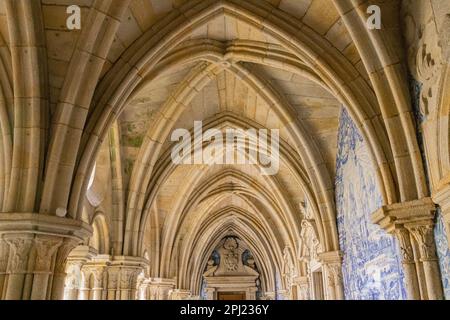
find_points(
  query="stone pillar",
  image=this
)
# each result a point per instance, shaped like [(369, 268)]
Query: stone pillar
[(74, 280), (164, 288), (332, 263), (251, 293), (180, 294), (145, 287), (97, 288), (84, 290), (414, 218), (122, 275), (34, 249), (59, 276), (419, 269), (210, 293), (409, 263), (268, 296), (4, 249), (303, 288), (425, 239)]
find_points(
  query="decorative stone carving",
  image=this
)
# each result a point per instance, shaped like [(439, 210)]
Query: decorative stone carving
[(309, 244), (19, 252), (424, 236), (231, 256), (45, 248), (231, 274), (423, 48), (288, 271), (403, 237), (112, 278)]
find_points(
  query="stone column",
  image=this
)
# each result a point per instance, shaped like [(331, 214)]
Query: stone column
[(128, 283), (85, 287), (180, 294), (425, 239), (111, 285), (35, 249), (332, 263), (336, 270), (97, 289), (417, 217), (20, 247), (164, 288), (145, 287), (122, 274), (268, 296), (251, 293), (4, 249), (408, 262), (330, 285), (59, 276), (303, 288), (46, 247), (419, 269), (74, 279), (210, 293)]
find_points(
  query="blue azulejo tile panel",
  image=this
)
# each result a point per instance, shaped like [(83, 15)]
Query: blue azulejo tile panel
[(371, 262), (443, 252)]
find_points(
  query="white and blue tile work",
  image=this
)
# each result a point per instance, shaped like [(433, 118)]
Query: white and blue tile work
[(443, 252), (371, 259)]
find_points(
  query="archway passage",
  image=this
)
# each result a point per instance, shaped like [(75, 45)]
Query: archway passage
[(223, 149)]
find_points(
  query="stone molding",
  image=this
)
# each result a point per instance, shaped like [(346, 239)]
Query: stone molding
[(406, 214)]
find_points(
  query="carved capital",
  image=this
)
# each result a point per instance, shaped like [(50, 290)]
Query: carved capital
[(406, 248), (45, 249), (113, 276), (64, 250), (4, 252), (425, 239), (336, 270), (19, 251)]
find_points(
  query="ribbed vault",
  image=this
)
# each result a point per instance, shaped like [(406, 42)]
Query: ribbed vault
[(87, 116)]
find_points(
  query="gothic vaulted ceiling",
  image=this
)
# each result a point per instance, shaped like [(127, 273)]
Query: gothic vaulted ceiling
[(148, 67)]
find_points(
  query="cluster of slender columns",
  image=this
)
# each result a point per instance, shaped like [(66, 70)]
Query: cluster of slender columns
[(413, 225), (33, 253), (332, 264), (161, 289), (102, 277)]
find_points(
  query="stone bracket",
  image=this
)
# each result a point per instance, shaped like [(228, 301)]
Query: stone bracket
[(406, 214)]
